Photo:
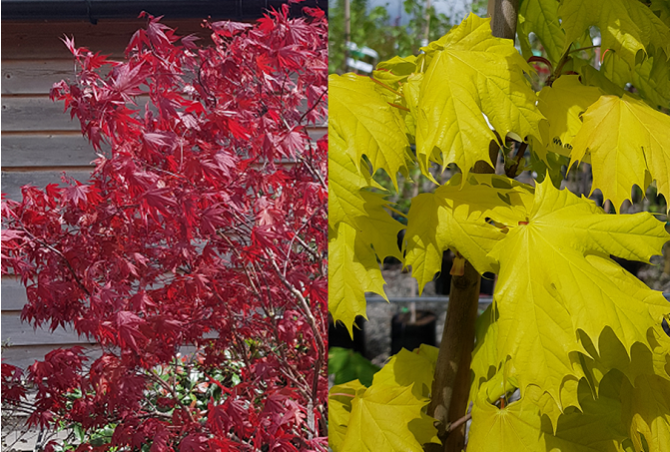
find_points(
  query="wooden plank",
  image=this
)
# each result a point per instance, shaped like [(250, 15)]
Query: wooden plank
[(34, 76), (35, 113), (13, 181), (24, 355), (18, 333), (316, 132), (30, 40), (40, 149), (13, 294)]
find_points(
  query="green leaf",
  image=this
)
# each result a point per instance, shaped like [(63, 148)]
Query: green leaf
[(390, 415), (348, 365), (340, 398), (379, 420), (407, 368), (651, 78), (472, 74), (662, 7), (345, 182), (519, 426), (562, 104)]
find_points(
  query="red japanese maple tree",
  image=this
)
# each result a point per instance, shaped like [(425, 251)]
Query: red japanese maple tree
[(195, 256)]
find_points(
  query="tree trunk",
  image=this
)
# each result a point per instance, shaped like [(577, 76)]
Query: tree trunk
[(452, 374)]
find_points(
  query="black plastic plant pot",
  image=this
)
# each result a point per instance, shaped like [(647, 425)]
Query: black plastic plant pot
[(411, 335), (338, 336)]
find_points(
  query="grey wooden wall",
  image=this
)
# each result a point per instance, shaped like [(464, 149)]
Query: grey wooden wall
[(39, 141)]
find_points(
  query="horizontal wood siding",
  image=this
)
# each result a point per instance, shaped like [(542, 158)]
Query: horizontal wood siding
[(38, 150), (34, 76), (40, 142), (35, 41)]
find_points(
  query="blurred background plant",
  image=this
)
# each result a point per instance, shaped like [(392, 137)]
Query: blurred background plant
[(378, 28)]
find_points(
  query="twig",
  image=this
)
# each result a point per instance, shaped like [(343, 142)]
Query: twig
[(521, 150), (67, 262), (458, 422), (583, 48), (318, 101)]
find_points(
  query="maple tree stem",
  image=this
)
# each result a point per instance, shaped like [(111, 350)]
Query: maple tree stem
[(450, 391), (321, 348)]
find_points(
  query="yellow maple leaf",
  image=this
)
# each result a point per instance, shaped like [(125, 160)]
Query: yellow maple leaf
[(627, 140), (352, 271), (562, 104), (647, 411), (457, 218), (556, 278), (367, 123), (472, 77)]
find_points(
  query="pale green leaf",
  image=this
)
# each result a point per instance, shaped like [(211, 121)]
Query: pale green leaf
[(378, 228), (626, 26), (345, 182), (662, 7), (562, 104), (651, 78), (352, 270), (519, 426), (647, 410), (541, 18), (408, 369), (340, 398)]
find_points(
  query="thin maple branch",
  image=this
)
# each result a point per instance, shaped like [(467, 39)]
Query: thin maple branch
[(173, 393), (318, 101), (584, 48), (314, 172), (297, 237), (321, 349), (65, 259), (457, 423), (521, 150)]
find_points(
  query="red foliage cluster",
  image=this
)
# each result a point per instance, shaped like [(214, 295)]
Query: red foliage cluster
[(201, 232)]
